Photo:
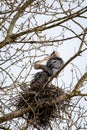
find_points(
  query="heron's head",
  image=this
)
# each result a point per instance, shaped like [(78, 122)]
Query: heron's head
[(38, 63)]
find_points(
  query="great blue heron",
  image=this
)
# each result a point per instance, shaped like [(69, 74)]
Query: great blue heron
[(54, 62), (53, 65)]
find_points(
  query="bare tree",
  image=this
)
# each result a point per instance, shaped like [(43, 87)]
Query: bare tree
[(29, 30)]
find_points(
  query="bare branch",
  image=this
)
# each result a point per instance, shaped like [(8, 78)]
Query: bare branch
[(17, 15), (76, 90), (43, 27), (12, 115)]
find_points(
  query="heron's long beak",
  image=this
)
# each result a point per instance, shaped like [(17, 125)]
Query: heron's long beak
[(57, 54), (46, 58), (38, 63)]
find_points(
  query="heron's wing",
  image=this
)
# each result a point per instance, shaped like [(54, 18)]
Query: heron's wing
[(36, 77), (39, 80)]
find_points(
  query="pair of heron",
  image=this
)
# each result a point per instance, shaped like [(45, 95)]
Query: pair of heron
[(54, 62)]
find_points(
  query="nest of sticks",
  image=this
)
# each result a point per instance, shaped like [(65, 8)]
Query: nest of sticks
[(42, 111)]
